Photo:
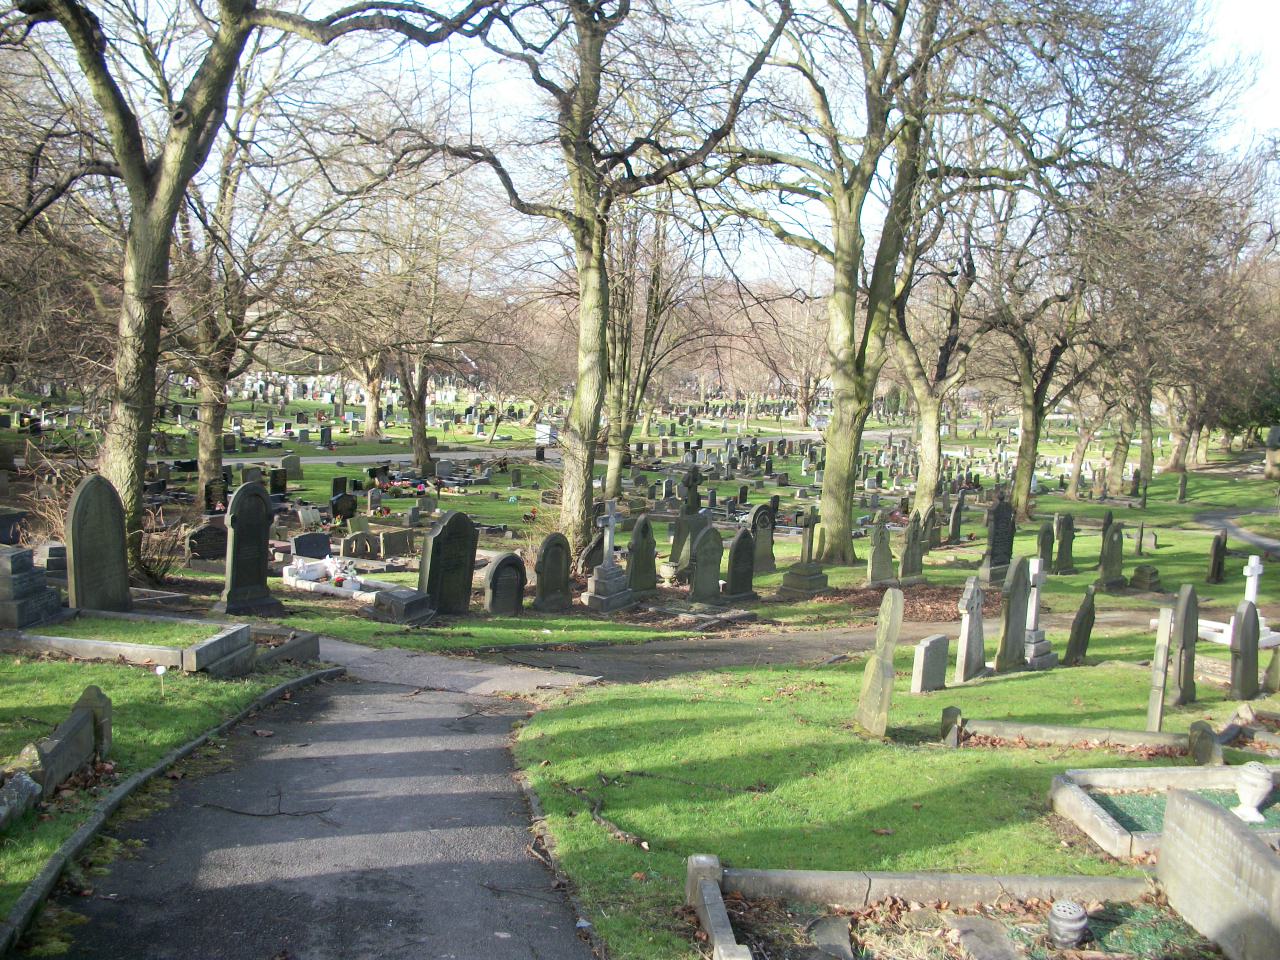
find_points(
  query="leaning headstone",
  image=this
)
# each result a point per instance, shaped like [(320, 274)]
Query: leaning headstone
[(1111, 563), (760, 521), (551, 593), (971, 655), (880, 559), (24, 597), (249, 517), (929, 668), (1064, 532), (1186, 631), (1159, 671), (97, 562), (1081, 630), (448, 562), (877, 676), (704, 573), (1217, 558), (1244, 652), (740, 568), (642, 557), (1016, 593), (504, 586), (910, 568), (1044, 544)]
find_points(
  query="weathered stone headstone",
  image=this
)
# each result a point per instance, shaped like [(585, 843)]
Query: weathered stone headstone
[(607, 588), (551, 592), (642, 557), (740, 569), (24, 596), (1039, 651), (1064, 532), (1015, 595), (880, 559), (249, 526), (955, 520), (910, 567), (504, 582), (97, 563), (929, 668), (704, 573), (1111, 563), (292, 464), (1081, 630), (343, 507), (1145, 578), (1217, 558), (1044, 544), (1159, 670), (877, 676), (448, 562), (1244, 652), (761, 522), (1203, 744), (1186, 631), (999, 553), (930, 529), (207, 542), (971, 654), (805, 579)]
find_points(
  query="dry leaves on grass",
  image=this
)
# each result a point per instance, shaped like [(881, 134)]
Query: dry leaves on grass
[(923, 603), (1137, 751)]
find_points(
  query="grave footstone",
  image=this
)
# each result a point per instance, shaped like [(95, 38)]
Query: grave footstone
[(877, 676), (97, 562), (249, 524), (929, 668), (642, 558), (504, 583), (448, 562), (1186, 631), (971, 654), (1081, 630), (1015, 595), (551, 592)]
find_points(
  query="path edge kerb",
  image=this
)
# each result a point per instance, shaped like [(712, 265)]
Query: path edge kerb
[(19, 918)]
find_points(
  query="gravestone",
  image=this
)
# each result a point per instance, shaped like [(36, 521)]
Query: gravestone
[(704, 573), (929, 668), (337, 486), (1044, 544), (1146, 578), (1108, 519), (207, 542), (930, 529), (642, 558), (25, 598), (1015, 595), (740, 572), (1159, 671), (955, 520), (1244, 652), (1186, 631), (607, 586), (1064, 532), (279, 482), (373, 502), (592, 555), (910, 568), (314, 546), (292, 466), (880, 559), (1081, 630), (760, 519), (97, 562), (804, 579), (971, 654), (395, 543), (1039, 651), (504, 586), (1000, 531), (343, 507), (249, 525), (551, 592), (1111, 562), (877, 676), (1217, 558), (448, 562)]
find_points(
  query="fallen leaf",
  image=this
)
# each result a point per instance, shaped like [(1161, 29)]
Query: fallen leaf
[(882, 831), (264, 733)]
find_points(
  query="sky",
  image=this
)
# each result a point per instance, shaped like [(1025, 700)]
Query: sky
[(1247, 29)]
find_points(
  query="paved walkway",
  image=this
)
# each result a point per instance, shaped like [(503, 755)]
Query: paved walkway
[(1222, 520), (378, 820)]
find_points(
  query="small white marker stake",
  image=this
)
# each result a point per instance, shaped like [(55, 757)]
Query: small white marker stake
[(160, 672)]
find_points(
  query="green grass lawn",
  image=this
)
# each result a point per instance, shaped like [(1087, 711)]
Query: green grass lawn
[(763, 768), (156, 633), (38, 695), (1262, 524)]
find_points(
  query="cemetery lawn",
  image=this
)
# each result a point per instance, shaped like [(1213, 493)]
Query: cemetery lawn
[(156, 633), (764, 768), (145, 727), (1266, 525)]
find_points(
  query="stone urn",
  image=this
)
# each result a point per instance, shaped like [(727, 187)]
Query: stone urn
[(1253, 787)]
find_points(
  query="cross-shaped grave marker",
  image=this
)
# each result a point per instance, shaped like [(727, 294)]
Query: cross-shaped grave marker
[(609, 522)]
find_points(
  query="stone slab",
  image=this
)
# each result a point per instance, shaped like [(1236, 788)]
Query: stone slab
[(85, 649), (228, 639), (237, 663), (929, 669)]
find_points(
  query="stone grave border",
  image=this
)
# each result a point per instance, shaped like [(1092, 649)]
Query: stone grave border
[(20, 916), (1069, 798), (215, 654), (707, 881)]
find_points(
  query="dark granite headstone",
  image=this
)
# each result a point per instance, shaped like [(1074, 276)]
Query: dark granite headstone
[(448, 562), (314, 546), (642, 557), (551, 591), (97, 562), (249, 525), (504, 582), (740, 572), (1081, 631)]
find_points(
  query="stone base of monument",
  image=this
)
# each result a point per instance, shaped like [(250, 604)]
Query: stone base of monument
[(1112, 586), (400, 605), (910, 581), (607, 589), (738, 597), (990, 576), (867, 584), (803, 581), (267, 606)]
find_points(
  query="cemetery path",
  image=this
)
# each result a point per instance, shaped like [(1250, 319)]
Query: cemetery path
[(431, 671), (1222, 520), (376, 820)]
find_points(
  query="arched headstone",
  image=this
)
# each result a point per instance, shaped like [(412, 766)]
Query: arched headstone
[(448, 561), (551, 592), (504, 585), (248, 527), (97, 561), (642, 557)]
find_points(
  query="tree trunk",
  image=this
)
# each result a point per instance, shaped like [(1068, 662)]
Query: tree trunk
[(618, 441), (930, 450), (127, 435), (1077, 462), (213, 416), (1031, 420), (418, 431), (1119, 457), (1202, 445), (1182, 446), (1147, 456)]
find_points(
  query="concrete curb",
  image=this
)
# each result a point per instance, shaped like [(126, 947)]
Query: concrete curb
[(15, 924), (1065, 736)]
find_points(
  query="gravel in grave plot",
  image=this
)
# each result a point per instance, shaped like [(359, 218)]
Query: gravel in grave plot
[(1143, 811)]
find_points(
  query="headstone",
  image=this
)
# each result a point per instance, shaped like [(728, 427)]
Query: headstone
[(1111, 563), (880, 559), (1064, 532), (877, 676), (1039, 652), (1000, 531), (292, 466), (337, 486), (249, 525), (279, 482), (955, 521), (1081, 630), (910, 568), (760, 520), (1159, 671), (971, 655), (740, 572), (607, 586), (642, 558), (1146, 578), (1217, 558), (707, 551), (551, 592), (929, 669), (1015, 595), (1186, 631), (343, 507), (1203, 744), (24, 597), (448, 562), (207, 542), (504, 582), (1044, 544), (314, 546), (1244, 652), (97, 561), (805, 579)]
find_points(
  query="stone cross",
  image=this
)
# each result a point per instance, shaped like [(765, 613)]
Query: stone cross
[(1252, 574), (609, 521), (810, 524), (971, 657), (1036, 575)]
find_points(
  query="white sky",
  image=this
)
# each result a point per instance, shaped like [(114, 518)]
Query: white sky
[(1247, 29)]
